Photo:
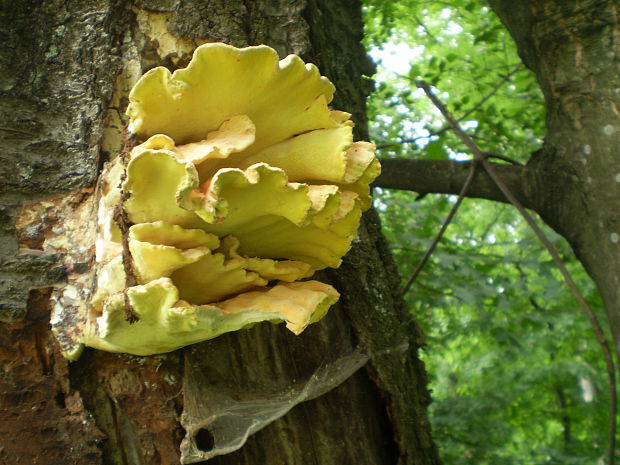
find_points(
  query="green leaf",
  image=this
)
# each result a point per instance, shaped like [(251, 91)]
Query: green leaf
[(435, 150)]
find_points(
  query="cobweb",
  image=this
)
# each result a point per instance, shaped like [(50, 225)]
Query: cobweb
[(226, 423)]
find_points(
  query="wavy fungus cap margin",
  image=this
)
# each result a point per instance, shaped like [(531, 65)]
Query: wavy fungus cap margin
[(244, 184)]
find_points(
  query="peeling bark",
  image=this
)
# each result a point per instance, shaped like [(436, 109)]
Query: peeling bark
[(42, 420)]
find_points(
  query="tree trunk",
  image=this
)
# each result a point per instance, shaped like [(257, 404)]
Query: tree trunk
[(65, 73), (573, 47)]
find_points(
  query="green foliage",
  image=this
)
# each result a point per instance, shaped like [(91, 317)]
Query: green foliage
[(505, 338), (462, 49), (516, 372)]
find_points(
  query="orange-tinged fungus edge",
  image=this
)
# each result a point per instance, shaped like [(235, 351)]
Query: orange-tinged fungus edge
[(246, 182)]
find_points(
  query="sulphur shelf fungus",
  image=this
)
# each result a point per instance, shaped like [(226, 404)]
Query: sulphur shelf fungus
[(244, 185)]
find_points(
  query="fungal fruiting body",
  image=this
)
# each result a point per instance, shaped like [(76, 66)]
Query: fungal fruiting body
[(245, 184)]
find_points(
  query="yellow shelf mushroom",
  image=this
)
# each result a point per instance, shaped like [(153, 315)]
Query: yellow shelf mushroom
[(245, 183)]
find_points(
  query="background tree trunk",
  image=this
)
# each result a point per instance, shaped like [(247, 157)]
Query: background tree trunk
[(64, 74), (573, 47)]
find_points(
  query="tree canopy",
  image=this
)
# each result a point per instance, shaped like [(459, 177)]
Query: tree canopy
[(516, 372)]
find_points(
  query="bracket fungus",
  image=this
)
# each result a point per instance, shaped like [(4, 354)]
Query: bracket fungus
[(245, 184)]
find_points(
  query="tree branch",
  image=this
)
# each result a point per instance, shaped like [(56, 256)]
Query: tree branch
[(448, 177), (479, 157), (484, 99)]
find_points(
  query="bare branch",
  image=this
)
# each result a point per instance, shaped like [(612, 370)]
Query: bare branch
[(481, 102), (444, 226), (479, 157), (448, 176)]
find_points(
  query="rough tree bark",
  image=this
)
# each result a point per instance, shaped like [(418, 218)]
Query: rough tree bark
[(574, 49), (573, 182), (62, 87)]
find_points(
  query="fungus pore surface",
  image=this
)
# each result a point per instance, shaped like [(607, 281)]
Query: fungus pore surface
[(244, 184)]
